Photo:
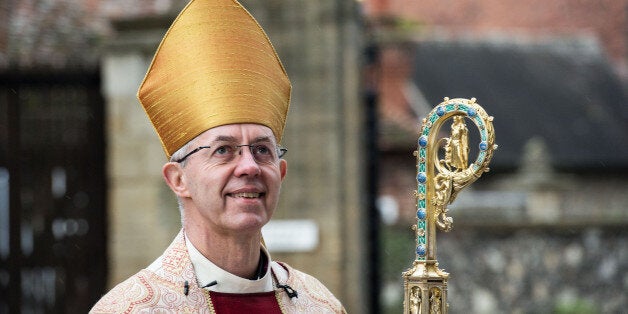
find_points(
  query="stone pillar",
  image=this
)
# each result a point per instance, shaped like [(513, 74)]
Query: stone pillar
[(319, 43), (142, 217)]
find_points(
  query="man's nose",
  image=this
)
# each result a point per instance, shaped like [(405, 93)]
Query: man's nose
[(246, 163)]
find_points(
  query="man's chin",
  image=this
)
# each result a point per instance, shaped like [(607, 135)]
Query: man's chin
[(249, 222)]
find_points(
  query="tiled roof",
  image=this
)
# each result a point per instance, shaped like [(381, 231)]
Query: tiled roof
[(64, 33), (563, 92)]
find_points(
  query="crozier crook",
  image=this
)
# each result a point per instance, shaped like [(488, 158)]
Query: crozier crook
[(439, 180)]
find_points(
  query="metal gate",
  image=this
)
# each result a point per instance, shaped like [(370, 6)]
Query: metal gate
[(52, 192)]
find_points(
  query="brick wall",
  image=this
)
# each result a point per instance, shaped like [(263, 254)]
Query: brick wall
[(606, 20)]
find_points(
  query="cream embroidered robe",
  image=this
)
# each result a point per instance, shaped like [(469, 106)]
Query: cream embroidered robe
[(172, 288)]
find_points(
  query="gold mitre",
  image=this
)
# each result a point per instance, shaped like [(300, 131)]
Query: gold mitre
[(214, 66)]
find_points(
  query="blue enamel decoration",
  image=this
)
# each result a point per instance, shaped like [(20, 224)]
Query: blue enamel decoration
[(423, 141), (483, 145), (420, 250), (440, 111), (471, 112)]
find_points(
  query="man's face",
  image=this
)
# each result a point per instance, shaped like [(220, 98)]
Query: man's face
[(236, 195)]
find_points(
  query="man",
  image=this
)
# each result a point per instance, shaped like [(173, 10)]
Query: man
[(218, 97)]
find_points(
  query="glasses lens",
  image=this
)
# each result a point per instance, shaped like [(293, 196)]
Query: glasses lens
[(263, 153), (223, 153)]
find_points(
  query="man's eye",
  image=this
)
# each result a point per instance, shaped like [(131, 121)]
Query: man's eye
[(222, 150), (262, 149)]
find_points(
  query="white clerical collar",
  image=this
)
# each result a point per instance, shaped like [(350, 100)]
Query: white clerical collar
[(207, 272)]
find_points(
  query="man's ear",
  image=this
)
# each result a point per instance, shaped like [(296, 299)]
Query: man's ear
[(175, 179), (283, 168)]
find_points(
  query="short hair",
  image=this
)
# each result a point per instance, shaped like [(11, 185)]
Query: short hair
[(180, 153)]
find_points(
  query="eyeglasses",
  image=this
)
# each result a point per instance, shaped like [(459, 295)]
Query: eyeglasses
[(263, 153)]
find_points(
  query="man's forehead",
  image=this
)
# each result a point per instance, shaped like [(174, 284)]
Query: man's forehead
[(248, 131)]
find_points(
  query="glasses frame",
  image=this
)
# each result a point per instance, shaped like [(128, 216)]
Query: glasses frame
[(281, 151)]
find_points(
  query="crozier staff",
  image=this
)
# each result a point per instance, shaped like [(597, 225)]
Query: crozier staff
[(218, 95)]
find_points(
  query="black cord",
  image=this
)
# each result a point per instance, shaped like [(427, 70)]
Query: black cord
[(213, 283), (291, 292), (186, 286)]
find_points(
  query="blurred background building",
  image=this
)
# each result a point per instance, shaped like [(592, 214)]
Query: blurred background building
[(83, 206), (545, 230)]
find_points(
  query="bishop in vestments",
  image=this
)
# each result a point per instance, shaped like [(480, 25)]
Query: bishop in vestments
[(218, 96)]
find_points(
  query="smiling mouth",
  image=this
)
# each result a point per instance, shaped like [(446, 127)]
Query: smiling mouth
[(246, 195)]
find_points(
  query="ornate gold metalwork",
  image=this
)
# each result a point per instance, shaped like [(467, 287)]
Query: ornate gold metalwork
[(439, 180)]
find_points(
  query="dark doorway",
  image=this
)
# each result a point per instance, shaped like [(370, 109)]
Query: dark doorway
[(52, 192)]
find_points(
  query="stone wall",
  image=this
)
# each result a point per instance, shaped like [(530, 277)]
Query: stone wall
[(143, 215), (536, 270), (533, 241), (319, 44)]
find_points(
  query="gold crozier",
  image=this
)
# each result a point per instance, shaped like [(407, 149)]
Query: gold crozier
[(439, 180)]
